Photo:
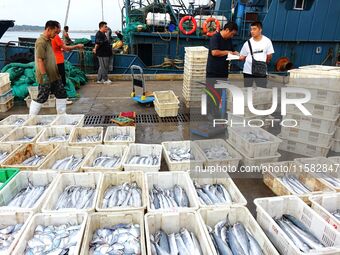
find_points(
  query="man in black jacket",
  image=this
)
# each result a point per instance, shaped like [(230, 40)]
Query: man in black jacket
[(103, 51)]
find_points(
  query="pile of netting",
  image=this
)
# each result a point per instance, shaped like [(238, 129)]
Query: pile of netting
[(23, 75)]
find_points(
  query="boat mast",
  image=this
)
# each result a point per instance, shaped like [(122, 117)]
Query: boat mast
[(67, 11)]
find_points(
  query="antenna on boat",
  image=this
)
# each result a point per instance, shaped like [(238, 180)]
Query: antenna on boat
[(67, 11)]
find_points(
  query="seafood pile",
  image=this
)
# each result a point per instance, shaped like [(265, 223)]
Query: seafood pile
[(330, 179), (168, 198), (8, 235), (60, 138), (180, 154), (18, 122), (217, 152), (120, 138), (3, 155), (212, 194), (67, 164), (33, 161), (298, 187), (144, 160), (336, 214), (125, 195), (106, 161), (88, 138), (27, 197), (25, 139), (77, 197), (253, 137)]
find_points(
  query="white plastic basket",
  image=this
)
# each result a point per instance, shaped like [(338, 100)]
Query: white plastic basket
[(275, 207), (108, 220), (26, 151), (4, 79), (324, 204), (21, 132), (230, 186), (274, 171), (87, 131), (119, 178), (5, 131), (143, 150), (211, 216), (6, 96), (337, 133), (166, 111), (66, 151), (38, 120), (5, 88), (261, 96), (209, 143), (76, 120), (263, 149), (46, 219), (21, 181), (10, 120), (115, 130), (166, 98), (318, 110), (184, 165), (172, 223), (306, 136), (55, 131), (306, 149), (107, 150), (196, 51), (167, 180), (4, 107), (90, 180), (335, 145), (13, 218), (9, 148), (311, 123)]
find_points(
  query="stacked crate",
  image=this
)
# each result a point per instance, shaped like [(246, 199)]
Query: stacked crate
[(6, 96), (336, 141), (313, 135), (195, 65)]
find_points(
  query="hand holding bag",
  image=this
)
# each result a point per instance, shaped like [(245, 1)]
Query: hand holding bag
[(258, 68)]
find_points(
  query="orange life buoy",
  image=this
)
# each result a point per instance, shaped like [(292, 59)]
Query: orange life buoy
[(194, 24), (205, 26)]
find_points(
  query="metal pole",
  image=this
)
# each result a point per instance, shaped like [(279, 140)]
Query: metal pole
[(67, 11), (102, 9)]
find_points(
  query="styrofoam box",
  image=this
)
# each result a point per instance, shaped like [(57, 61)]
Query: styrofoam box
[(13, 218), (21, 132), (166, 98), (89, 180), (319, 165), (26, 151), (209, 143), (46, 120), (228, 183), (260, 96), (315, 78), (263, 149), (70, 120), (324, 205), (275, 207), (86, 131), (303, 136), (318, 95), (108, 220), (211, 216), (313, 123), (335, 145), (46, 219), (105, 150), (172, 223), (66, 151), (21, 181), (10, 120), (257, 161), (119, 178), (55, 131), (9, 148), (167, 180), (185, 164), (5, 131), (4, 78), (337, 133), (115, 130), (305, 149), (143, 150), (317, 109), (273, 172)]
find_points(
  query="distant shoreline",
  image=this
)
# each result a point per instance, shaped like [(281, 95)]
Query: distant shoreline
[(28, 28)]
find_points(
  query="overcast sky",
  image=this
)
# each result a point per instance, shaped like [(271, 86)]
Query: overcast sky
[(84, 14)]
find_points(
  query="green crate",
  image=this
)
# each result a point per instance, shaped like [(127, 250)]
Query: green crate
[(7, 174)]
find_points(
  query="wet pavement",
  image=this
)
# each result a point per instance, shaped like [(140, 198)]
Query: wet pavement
[(100, 99)]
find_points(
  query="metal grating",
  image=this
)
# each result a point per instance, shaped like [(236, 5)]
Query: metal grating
[(91, 120), (147, 118)]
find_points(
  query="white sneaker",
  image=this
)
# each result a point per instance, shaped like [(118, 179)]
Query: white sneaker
[(100, 82), (107, 82)]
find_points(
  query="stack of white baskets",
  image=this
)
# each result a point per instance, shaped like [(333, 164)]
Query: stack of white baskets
[(336, 141), (6, 96), (313, 134), (194, 76)]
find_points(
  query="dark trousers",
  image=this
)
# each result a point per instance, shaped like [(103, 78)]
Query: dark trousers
[(250, 79), (57, 88), (61, 68)]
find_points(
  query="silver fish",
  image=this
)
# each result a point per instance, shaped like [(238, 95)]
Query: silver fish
[(104, 161), (61, 138), (182, 242), (120, 138), (67, 164), (295, 184), (118, 239), (330, 179), (88, 138), (180, 154), (125, 195), (33, 161), (25, 139), (27, 197), (77, 197), (213, 194), (336, 214), (18, 122), (253, 137), (144, 160), (60, 239), (3, 155), (168, 198), (8, 235), (217, 152)]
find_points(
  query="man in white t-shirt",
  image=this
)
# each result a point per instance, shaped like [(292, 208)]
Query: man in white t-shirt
[(262, 51)]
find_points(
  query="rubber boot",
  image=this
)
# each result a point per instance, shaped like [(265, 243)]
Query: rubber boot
[(34, 108), (61, 105)]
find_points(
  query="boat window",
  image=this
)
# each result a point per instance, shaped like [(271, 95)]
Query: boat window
[(299, 4)]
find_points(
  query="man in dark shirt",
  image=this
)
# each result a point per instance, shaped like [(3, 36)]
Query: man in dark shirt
[(220, 46), (103, 51)]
